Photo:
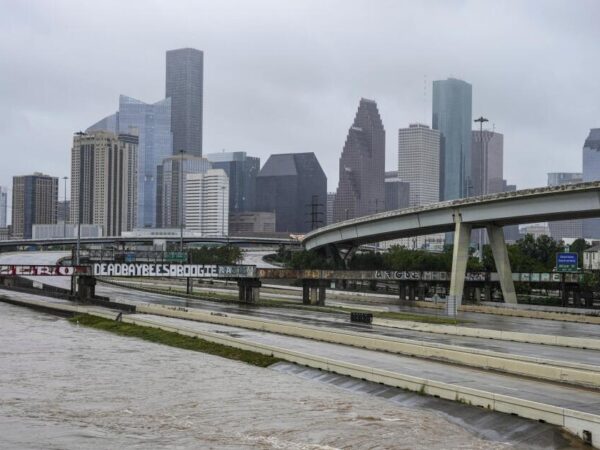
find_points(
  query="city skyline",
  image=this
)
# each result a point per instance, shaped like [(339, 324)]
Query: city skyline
[(286, 101)]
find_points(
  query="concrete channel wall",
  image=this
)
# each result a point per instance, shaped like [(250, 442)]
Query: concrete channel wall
[(563, 372)]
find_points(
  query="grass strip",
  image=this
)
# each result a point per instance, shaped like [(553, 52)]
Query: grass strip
[(173, 339)]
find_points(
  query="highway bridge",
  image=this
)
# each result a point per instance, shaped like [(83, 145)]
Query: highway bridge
[(122, 241), (492, 212)]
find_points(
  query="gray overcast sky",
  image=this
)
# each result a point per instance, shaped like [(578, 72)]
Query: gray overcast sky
[(286, 76)]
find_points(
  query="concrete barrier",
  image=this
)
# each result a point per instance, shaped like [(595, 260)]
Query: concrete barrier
[(557, 371), (564, 315), (515, 336)]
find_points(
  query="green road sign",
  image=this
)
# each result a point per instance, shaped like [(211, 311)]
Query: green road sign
[(567, 262), (175, 257)]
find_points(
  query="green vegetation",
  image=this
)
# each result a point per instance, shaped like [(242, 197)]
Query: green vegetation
[(174, 340), (223, 255), (529, 254)]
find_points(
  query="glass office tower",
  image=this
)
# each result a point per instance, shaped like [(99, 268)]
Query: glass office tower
[(452, 103), (152, 123)]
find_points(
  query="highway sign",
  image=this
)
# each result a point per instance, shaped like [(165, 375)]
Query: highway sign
[(567, 262), (176, 257)]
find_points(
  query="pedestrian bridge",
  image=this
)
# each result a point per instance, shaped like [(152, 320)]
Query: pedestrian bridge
[(492, 212)]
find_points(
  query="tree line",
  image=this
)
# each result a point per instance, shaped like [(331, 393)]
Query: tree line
[(529, 254)]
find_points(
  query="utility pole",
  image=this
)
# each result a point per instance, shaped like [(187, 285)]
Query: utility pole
[(181, 174), (79, 214), (483, 173), (315, 215)]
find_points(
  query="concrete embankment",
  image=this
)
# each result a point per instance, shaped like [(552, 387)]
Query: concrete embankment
[(558, 410)]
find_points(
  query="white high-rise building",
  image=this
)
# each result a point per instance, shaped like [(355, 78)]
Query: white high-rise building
[(206, 205), (3, 206), (419, 163), (169, 186)]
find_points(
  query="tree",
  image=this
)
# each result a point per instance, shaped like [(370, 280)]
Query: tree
[(578, 246)]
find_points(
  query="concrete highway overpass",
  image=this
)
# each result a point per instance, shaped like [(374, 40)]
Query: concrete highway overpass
[(492, 212), (125, 240)]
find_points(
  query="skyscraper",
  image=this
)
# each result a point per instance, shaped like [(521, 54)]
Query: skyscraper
[(487, 162), (452, 117), (34, 201), (104, 181), (242, 171), (184, 85), (419, 163), (362, 166), (152, 123), (397, 193), (562, 229), (207, 202), (168, 193), (286, 185), (3, 206), (329, 208), (591, 172)]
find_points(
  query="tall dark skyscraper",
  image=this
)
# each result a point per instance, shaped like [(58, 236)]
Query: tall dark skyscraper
[(185, 85), (452, 104), (361, 189), (287, 185), (34, 201)]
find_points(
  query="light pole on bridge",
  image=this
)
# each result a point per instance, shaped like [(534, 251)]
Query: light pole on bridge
[(483, 174)]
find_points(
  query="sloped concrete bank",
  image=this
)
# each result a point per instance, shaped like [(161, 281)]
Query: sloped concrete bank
[(556, 371)]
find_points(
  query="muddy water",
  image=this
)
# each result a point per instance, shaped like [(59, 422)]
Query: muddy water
[(69, 387)]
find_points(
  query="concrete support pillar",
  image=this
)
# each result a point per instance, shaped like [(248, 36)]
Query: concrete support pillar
[(477, 294), (496, 236), (86, 288), (249, 290), (460, 256), (314, 292), (421, 292), (401, 291), (411, 292), (487, 292)]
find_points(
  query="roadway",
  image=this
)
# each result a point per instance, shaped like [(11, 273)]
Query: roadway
[(340, 321)]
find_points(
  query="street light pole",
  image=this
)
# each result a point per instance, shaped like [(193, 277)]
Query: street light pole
[(78, 223), (483, 173), (65, 209)]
